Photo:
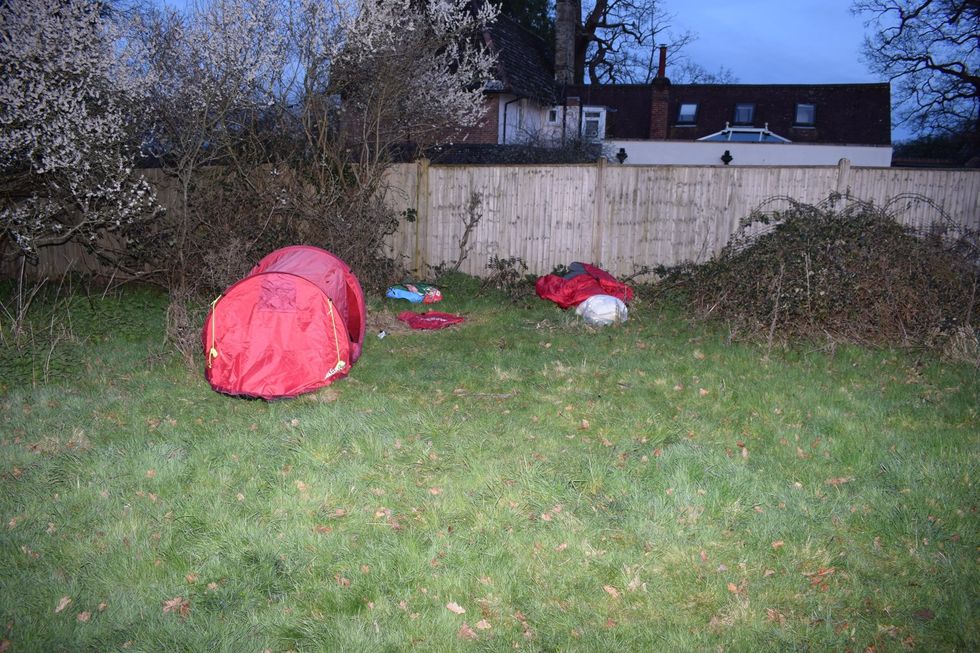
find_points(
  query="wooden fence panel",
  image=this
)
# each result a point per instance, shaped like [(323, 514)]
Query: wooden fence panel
[(914, 195), (625, 217), (619, 217), (523, 211)]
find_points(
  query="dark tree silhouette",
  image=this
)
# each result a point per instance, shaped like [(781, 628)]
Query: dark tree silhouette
[(617, 41), (930, 51)]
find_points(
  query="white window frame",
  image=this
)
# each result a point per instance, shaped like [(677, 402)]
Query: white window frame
[(596, 115), (554, 116)]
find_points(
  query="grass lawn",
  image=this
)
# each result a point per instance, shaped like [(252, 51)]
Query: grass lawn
[(520, 482)]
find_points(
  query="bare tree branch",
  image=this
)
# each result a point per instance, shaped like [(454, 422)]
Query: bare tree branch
[(930, 51), (617, 40)]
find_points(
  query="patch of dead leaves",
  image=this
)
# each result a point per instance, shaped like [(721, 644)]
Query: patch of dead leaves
[(818, 578), (465, 632), (525, 626), (327, 395), (738, 590), (178, 606), (775, 616)]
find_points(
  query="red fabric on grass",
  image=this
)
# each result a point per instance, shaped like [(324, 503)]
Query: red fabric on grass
[(430, 320), (574, 291), (273, 335)]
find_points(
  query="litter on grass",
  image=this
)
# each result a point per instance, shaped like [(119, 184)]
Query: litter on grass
[(601, 297), (431, 320), (417, 293), (602, 310)]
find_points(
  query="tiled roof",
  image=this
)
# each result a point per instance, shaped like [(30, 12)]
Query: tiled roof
[(845, 113), (524, 60)]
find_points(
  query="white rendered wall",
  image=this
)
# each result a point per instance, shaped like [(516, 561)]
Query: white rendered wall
[(749, 154)]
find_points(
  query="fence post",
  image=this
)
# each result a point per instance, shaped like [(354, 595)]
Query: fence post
[(421, 216), (598, 211), (843, 177)]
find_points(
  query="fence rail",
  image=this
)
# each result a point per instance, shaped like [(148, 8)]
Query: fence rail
[(625, 217)]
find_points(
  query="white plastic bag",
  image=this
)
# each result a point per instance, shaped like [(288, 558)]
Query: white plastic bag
[(602, 310)]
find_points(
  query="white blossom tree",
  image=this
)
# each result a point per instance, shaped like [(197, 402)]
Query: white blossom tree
[(209, 74), (409, 69), (278, 118), (314, 92), (66, 107), (391, 73)]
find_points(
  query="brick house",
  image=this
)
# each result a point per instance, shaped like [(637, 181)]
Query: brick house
[(533, 102), (523, 91), (761, 124)]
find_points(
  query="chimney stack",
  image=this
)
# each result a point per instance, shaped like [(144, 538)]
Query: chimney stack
[(660, 100), (567, 15), (662, 67)]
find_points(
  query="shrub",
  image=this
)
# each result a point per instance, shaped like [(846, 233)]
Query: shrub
[(853, 274), (509, 276)]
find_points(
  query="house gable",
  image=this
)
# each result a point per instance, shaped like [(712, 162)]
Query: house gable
[(523, 90)]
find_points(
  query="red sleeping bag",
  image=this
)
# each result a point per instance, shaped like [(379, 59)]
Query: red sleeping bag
[(574, 291)]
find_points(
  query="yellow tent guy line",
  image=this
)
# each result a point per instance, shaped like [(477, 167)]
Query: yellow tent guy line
[(336, 342), (213, 352)]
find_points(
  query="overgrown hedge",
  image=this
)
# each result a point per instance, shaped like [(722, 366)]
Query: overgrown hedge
[(851, 274)]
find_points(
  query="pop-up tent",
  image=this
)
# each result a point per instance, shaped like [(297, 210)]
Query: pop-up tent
[(295, 323)]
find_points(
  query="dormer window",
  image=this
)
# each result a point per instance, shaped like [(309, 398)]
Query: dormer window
[(806, 115), (744, 114), (687, 114)]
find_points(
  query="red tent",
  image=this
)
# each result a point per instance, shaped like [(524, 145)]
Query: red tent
[(295, 323)]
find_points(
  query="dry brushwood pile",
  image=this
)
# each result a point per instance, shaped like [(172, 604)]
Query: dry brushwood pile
[(851, 274)]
